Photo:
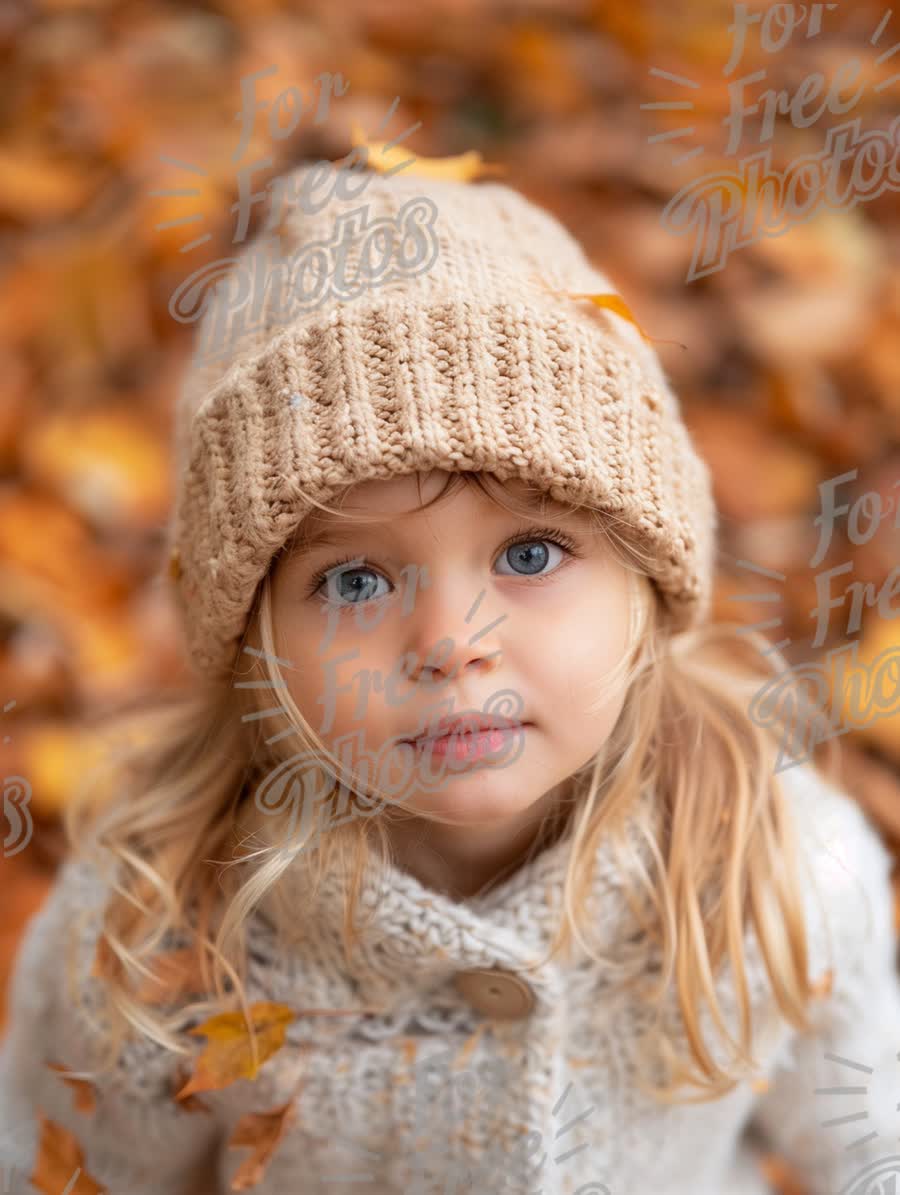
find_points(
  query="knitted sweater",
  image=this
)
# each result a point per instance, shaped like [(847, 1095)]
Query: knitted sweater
[(497, 1072)]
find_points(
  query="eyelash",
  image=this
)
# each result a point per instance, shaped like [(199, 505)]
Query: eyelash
[(530, 536)]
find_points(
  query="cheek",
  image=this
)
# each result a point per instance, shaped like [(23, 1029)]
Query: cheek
[(591, 634), (350, 683)]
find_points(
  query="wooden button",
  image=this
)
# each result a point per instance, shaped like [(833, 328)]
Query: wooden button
[(496, 993)]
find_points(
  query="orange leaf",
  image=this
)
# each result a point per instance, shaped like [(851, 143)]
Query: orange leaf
[(262, 1132), (783, 1177), (618, 305), (228, 1055), (59, 1166), (108, 463), (85, 1091), (176, 974), (190, 1103), (35, 187), (462, 167)]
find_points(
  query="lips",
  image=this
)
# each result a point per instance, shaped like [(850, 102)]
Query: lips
[(469, 722)]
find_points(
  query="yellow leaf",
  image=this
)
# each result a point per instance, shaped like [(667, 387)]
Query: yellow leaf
[(57, 758), (877, 718), (617, 304), (190, 1103), (262, 1132), (229, 1053), (85, 1092), (59, 1165), (35, 187), (462, 167), (109, 464)]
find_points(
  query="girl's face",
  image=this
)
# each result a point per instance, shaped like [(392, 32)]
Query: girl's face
[(460, 608)]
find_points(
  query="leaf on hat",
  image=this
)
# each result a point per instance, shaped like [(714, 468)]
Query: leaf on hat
[(383, 156), (85, 1091), (228, 1054), (262, 1132), (59, 1165), (618, 305)]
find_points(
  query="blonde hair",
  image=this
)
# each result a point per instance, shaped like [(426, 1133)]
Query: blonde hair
[(720, 836)]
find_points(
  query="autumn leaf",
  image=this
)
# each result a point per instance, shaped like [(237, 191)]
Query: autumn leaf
[(228, 1055), (617, 304), (59, 1167), (85, 1091), (193, 1103), (878, 645), (262, 1132), (461, 168), (190, 1103), (108, 463), (36, 188), (783, 1177)]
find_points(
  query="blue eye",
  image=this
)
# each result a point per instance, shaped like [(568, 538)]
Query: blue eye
[(526, 552), (529, 555), (357, 585)]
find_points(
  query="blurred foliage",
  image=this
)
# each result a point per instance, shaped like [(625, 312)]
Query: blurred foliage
[(790, 373)]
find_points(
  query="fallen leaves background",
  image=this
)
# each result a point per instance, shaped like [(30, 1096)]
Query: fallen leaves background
[(790, 373)]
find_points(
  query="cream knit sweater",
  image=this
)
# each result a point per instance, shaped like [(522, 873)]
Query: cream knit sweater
[(370, 1116)]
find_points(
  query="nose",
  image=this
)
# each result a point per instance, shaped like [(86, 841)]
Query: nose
[(453, 633)]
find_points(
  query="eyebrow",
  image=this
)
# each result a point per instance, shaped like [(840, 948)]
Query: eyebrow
[(336, 535)]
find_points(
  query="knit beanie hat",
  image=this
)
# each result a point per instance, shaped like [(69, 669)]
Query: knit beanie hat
[(413, 325)]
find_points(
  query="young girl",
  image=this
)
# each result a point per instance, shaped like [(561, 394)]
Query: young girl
[(467, 836)]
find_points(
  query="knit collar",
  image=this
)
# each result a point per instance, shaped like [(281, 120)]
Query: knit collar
[(410, 933)]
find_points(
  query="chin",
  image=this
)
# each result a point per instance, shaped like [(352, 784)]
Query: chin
[(473, 796)]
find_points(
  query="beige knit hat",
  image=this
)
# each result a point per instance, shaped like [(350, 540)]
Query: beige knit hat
[(460, 356)]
